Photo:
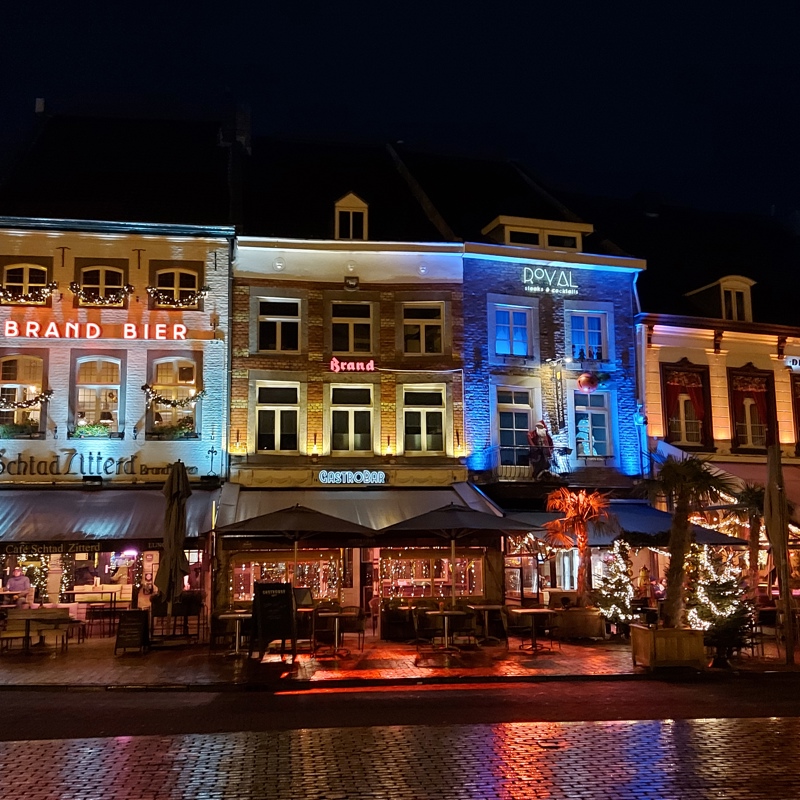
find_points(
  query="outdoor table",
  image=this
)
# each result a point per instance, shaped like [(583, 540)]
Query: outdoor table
[(446, 614), (532, 613), (485, 608), (336, 616), (96, 599), (5, 593), (237, 617), (38, 615)]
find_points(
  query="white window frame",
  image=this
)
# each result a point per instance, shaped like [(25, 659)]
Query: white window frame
[(514, 408), (117, 415), (102, 290), (348, 205), (176, 290), (610, 427), (424, 324), (278, 409), (280, 320), (749, 427), (423, 411), (351, 322), (27, 285), (736, 285), (22, 390), (351, 409), (684, 401), (590, 309), (529, 306), (174, 390)]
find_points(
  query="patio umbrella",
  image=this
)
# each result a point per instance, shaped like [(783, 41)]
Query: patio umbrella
[(173, 565), (454, 522), (300, 523)]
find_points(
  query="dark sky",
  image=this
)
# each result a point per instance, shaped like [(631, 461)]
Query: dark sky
[(698, 101)]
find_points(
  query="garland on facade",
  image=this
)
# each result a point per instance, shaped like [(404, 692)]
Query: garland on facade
[(162, 298), (37, 575), (114, 298), (154, 398), (138, 571), (615, 590), (42, 397), (34, 296)]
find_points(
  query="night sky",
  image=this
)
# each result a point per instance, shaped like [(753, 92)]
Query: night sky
[(697, 102)]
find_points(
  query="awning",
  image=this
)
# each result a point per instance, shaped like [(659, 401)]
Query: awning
[(634, 518), (372, 508), (69, 515), (757, 473)]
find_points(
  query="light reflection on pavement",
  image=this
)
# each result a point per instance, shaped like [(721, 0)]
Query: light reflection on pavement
[(684, 760)]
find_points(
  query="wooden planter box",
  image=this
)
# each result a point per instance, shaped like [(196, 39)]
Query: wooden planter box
[(581, 623), (667, 647)]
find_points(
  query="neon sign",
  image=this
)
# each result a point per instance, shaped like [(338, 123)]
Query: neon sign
[(352, 366), (549, 281), (346, 477), (91, 330)]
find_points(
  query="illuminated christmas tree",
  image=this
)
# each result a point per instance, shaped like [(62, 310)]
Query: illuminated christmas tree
[(615, 590)]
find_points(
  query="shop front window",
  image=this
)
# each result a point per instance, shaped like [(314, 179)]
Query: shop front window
[(97, 397), (320, 571), (428, 573), (20, 382)]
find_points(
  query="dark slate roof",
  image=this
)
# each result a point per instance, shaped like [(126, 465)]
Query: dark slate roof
[(687, 249), (291, 188), (122, 170)]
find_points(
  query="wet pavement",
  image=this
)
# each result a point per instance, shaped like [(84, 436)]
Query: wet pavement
[(93, 663), (669, 760)]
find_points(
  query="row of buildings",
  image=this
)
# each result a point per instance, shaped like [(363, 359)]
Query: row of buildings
[(369, 331)]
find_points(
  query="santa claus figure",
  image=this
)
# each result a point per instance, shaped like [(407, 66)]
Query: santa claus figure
[(541, 449)]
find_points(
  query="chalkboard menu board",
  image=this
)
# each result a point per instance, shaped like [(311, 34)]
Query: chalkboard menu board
[(132, 631), (273, 616)]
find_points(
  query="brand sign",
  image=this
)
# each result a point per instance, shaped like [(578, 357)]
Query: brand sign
[(352, 366), (30, 329), (544, 280), (79, 464), (348, 478)]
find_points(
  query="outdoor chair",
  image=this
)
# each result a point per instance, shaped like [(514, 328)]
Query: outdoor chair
[(464, 627), (426, 628), (375, 612), (323, 628), (13, 629), (355, 622), (546, 628), (513, 626)]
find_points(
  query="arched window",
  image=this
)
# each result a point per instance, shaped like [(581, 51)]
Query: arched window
[(20, 280), (97, 405), (20, 380), (176, 286), (102, 283), (174, 380)]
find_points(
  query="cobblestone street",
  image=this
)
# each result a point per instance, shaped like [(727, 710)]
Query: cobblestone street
[(680, 760)]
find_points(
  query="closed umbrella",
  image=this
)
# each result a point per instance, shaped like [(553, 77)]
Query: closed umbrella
[(173, 565), (453, 522)]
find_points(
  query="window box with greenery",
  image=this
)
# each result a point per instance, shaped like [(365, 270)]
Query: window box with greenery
[(13, 430), (95, 430), (183, 430)]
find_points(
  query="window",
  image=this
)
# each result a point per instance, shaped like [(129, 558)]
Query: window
[(351, 419), (685, 402), (592, 431), (561, 241), (751, 396), (279, 325), (422, 328), (423, 420), (351, 218), (277, 413), (512, 331), (20, 380), (97, 400), (20, 281), (351, 327), (733, 304), (685, 428), (102, 285), (523, 237), (175, 286), (514, 421), (174, 380), (588, 336)]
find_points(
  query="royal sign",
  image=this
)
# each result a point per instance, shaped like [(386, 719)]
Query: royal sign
[(541, 280), (30, 329)]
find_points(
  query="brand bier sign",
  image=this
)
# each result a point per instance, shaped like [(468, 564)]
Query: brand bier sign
[(31, 329)]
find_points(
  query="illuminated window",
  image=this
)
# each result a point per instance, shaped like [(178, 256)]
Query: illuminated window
[(174, 380), (351, 419), (422, 328), (104, 283), (685, 428), (279, 325), (97, 396), (588, 336), (351, 328), (22, 279), (177, 286), (514, 414), (513, 334), (423, 419), (351, 218), (592, 429), (278, 415), (20, 380)]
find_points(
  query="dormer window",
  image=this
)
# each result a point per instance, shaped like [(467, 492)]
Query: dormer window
[(351, 218), (728, 298), (543, 233)]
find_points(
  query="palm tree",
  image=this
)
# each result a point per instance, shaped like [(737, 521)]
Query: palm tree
[(752, 498), (579, 509), (687, 482)]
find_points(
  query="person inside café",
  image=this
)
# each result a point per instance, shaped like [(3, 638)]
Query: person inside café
[(18, 583)]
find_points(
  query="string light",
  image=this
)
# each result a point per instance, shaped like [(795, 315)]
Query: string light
[(115, 298), (42, 397), (717, 595), (615, 592), (154, 398), (34, 296), (162, 298)]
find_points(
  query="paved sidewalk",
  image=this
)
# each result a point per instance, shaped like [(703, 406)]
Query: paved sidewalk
[(93, 664)]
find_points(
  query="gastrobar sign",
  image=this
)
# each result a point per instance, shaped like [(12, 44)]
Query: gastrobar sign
[(361, 477), (543, 280)]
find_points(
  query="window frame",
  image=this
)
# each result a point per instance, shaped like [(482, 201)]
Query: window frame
[(423, 324), (75, 404), (279, 320), (607, 411), (430, 388), (351, 322), (351, 408), (26, 287), (171, 431), (21, 416), (161, 267), (348, 205), (506, 408), (529, 306), (278, 407), (605, 311), (103, 291)]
